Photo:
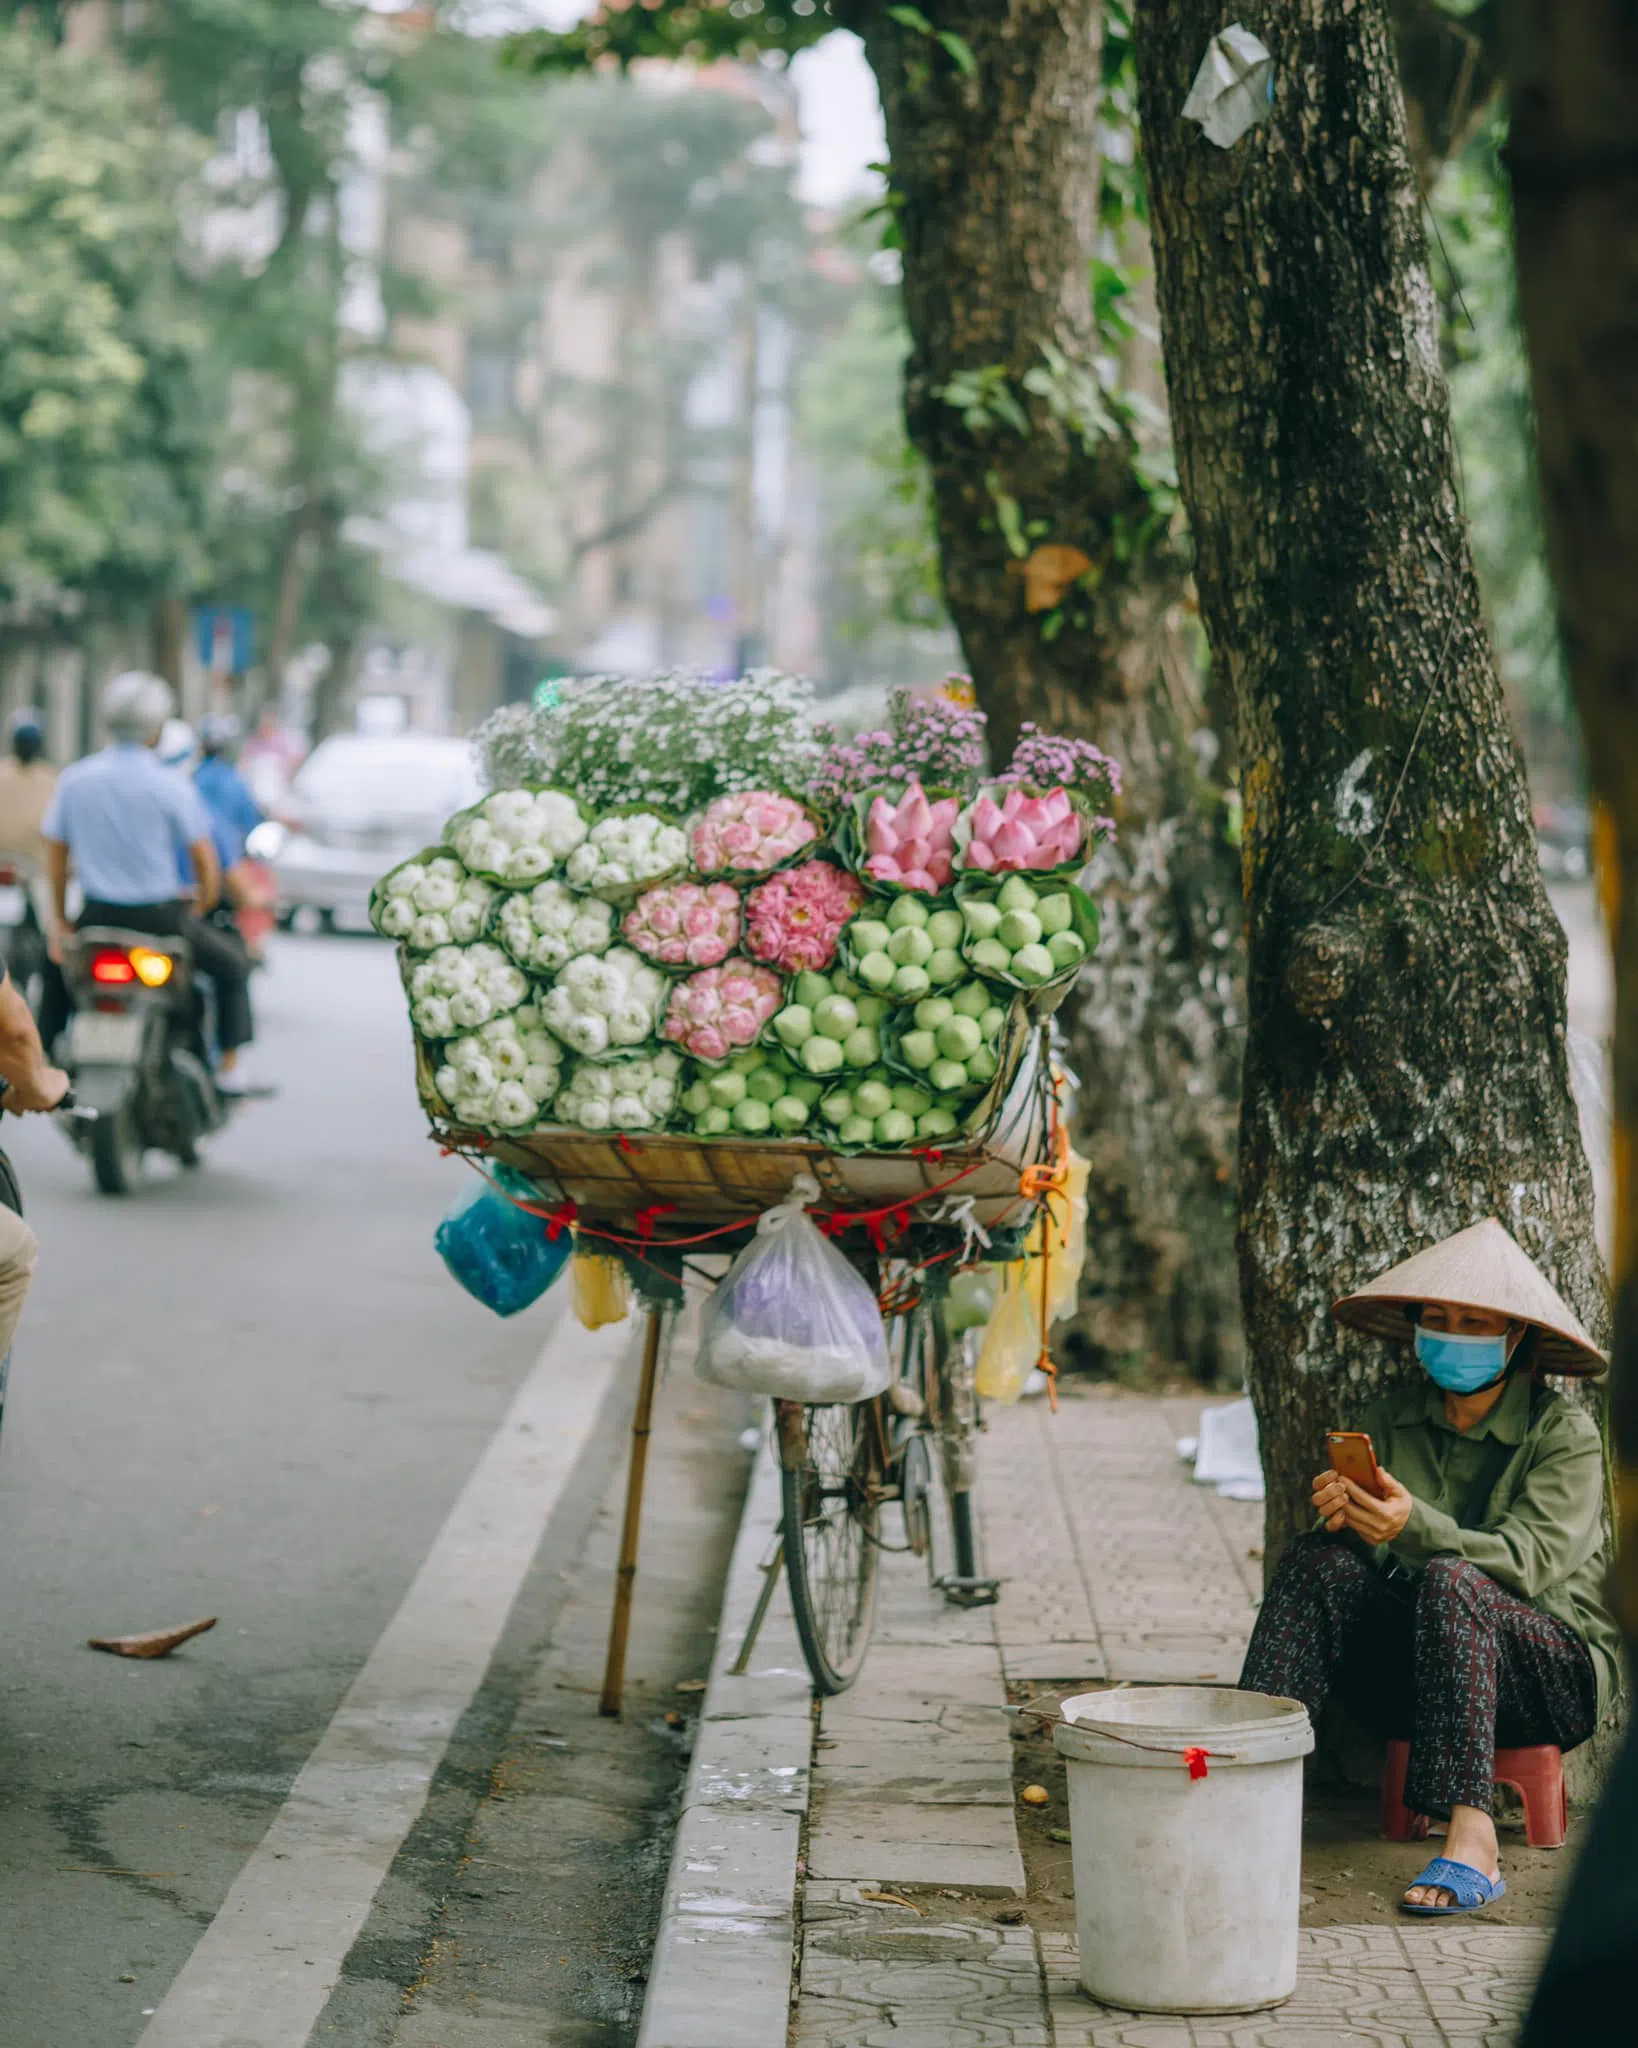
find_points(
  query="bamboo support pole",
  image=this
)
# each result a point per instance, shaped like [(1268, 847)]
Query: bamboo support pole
[(642, 1428)]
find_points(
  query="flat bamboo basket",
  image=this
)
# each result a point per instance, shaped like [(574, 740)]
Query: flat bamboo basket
[(706, 1183)]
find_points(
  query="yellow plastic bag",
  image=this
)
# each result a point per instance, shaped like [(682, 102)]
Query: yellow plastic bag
[(1012, 1344), (602, 1291)]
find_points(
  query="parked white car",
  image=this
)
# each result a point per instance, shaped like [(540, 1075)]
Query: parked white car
[(358, 805)]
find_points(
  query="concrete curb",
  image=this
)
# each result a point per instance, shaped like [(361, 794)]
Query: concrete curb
[(722, 1968)]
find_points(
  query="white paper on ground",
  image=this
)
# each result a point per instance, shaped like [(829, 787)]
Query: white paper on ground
[(1233, 88), (1228, 1455)]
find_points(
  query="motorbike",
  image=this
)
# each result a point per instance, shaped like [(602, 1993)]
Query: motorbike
[(22, 935), (136, 1049)]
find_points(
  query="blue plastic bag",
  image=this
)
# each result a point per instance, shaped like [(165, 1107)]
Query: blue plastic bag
[(499, 1253)]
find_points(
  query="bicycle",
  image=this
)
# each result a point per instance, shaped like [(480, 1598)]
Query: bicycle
[(839, 1466)]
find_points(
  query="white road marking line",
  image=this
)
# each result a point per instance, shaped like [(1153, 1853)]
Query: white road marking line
[(266, 1966)]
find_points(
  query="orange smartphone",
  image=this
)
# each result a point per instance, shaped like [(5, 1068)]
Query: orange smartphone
[(1353, 1457)]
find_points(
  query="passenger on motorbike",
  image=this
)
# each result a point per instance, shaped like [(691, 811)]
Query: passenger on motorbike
[(124, 820), (27, 780), (32, 1083)]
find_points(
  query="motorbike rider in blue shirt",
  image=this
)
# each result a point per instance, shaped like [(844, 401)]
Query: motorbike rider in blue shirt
[(234, 811), (124, 819)]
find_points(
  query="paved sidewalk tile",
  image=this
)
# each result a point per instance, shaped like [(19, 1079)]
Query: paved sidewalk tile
[(912, 1777), (1114, 1563)]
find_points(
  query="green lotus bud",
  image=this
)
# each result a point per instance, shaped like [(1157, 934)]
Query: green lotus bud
[(767, 1084), (918, 1049), (945, 967), (868, 935), (1068, 949), (837, 1106), (804, 1088), (944, 928), (835, 1017), (910, 947), (906, 910), (936, 1123), (793, 1026), (752, 1117), (862, 1048), (858, 1130), (1032, 964), (972, 999), (727, 1089), (696, 1100), (716, 1123), (747, 1059), (989, 956), (910, 984), (821, 1056), (960, 1038), (895, 1128), (871, 1009), (991, 1021), (982, 1067), (1057, 913), (1020, 928), (810, 989), (872, 1099), (789, 1113), (947, 1077), (982, 917), (876, 970), (933, 1011), (912, 1100), (1016, 894)]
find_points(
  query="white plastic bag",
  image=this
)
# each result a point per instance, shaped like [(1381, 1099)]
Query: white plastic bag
[(792, 1319)]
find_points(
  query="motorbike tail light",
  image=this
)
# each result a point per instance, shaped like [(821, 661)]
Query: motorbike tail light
[(112, 967), (152, 969)]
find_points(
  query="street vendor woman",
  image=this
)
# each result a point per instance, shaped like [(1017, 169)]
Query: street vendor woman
[(1462, 1608)]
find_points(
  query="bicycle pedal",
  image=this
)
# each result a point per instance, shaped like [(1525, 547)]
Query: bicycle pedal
[(969, 1592)]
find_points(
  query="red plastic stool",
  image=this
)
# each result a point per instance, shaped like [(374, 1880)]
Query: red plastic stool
[(1536, 1774)]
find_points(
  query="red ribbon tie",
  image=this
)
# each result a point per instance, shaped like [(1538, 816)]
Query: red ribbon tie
[(558, 1220), (1196, 1761), (645, 1219)]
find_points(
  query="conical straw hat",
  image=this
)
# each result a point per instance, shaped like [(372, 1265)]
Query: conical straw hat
[(1477, 1268)]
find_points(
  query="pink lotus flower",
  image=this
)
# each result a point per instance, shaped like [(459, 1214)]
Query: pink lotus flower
[(794, 919), (912, 843), (721, 1007), (751, 832), (1022, 831), (685, 924)]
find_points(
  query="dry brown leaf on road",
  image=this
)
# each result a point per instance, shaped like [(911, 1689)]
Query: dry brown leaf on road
[(155, 1642)]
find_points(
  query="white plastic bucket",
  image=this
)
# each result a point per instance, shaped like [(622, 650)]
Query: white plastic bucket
[(1186, 1889)]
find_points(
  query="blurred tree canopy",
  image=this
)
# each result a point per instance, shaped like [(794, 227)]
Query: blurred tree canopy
[(107, 383)]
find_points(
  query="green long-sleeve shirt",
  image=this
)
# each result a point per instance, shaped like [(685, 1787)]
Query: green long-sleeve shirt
[(1520, 1495)]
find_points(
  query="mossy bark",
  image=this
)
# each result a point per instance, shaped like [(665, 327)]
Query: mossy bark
[(1406, 1070), (994, 185)]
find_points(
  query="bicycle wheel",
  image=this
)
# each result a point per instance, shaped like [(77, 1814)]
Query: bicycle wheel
[(831, 1483)]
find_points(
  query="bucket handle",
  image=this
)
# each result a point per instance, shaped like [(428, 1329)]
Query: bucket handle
[(1193, 1755)]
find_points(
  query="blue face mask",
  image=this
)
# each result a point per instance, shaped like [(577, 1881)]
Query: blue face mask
[(1461, 1365)]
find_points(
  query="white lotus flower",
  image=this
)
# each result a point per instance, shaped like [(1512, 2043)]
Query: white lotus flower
[(466, 921), (429, 931), (627, 1110), (403, 881), (471, 1008), (453, 968), (446, 870), (588, 1033), (514, 1105), (397, 918), (594, 1116), (626, 1094), (528, 863), (541, 1080), (437, 892), (631, 1023), (433, 1018), (471, 1055), (447, 1081)]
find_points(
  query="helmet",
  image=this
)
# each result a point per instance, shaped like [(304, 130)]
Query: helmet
[(136, 704), (177, 745), (218, 731), (26, 728)]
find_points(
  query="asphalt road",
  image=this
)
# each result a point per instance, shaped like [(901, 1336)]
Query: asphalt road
[(247, 1391)]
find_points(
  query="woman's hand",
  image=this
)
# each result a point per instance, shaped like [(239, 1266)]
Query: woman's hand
[(1345, 1505)]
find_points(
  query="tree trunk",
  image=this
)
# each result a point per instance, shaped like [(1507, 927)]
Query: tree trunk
[(994, 185), (1573, 156), (1406, 1071)]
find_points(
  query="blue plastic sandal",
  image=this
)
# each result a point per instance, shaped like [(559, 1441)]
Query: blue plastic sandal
[(1470, 1887)]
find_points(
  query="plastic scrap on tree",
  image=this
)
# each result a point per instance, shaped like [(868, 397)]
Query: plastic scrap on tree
[(1234, 87)]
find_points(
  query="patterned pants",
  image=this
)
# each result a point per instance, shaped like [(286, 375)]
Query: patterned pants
[(1447, 1659)]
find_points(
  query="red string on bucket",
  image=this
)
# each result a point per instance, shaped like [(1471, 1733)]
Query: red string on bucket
[(1196, 1760)]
